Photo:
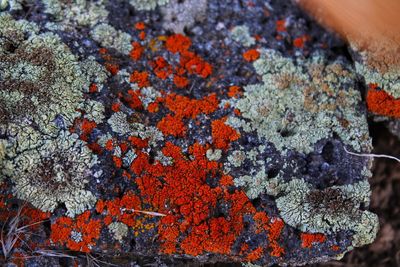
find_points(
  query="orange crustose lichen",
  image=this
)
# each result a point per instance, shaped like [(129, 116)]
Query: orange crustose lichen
[(382, 103), (78, 234), (251, 55), (223, 134), (172, 125), (307, 239)]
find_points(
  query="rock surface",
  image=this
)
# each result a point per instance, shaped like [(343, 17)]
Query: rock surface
[(170, 132)]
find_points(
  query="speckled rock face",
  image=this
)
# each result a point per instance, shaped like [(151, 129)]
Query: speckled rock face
[(173, 132)]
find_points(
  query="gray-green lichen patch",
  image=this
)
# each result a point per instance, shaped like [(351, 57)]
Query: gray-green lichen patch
[(147, 4), (95, 72), (119, 230), (120, 125), (94, 111), (41, 80), (241, 34), (213, 154), (109, 37), (330, 210), (178, 15), (300, 103), (77, 13), (53, 173)]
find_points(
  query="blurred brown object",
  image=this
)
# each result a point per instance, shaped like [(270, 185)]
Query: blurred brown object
[(368, 25)]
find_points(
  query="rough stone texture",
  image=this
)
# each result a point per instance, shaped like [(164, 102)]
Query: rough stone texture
[(136, 128)]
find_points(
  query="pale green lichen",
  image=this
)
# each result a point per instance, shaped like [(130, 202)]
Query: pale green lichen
[(147, 4), (53, 173), (80, 12), (329, 210), (94, 111), (258, 182), (236, 158), (120, 125), (109, 37), (213, 154), (119, 230), (95, 72), (41, 80), (300, 103), (241, 34)]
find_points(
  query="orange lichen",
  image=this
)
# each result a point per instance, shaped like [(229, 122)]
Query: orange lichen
[(307, 239), (116, 107), (132, 99), (112, 68), (273, 237), (281, 25), (83, 127), (124, 209), (180, 81), (255, 254), (226, 180), (382, 103), (178, 43), (140, 26), (93, 88), (172, 125), (184, 107), (235, 91), (187, 200), (142, 35), (78, 234), (195, 64), (223, 134), (251, 55), (141, 78), (300, 41), (137, 51), (161, 68)]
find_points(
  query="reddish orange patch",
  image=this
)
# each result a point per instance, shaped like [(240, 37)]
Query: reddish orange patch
[(382, 103), (178, 43), (307, 239), (172, 125), (251, 55), (141, 78), (64, 228), (223, 134), (137, 51)]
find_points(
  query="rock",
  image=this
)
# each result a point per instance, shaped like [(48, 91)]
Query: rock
[(209, 144)]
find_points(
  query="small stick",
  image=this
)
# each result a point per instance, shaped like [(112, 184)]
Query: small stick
[(372, 155)]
